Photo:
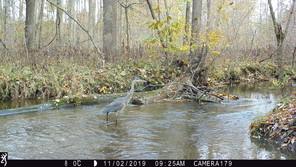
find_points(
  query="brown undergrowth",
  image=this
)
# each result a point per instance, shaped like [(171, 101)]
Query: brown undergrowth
[(51, 76), (63, 77)]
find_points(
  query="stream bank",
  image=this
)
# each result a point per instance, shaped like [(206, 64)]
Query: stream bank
[(279, 125)]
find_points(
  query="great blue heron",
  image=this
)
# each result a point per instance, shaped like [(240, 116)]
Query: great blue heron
[(119, 104)]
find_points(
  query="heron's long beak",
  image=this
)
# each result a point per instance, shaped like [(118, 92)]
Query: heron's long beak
[(141, 80)]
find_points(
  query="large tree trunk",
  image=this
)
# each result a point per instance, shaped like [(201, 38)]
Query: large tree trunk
[(21, 10), (187, 23), (219, 3), (1, 8), (195, 56), (30, 24), (5, 19), (127, 28), (91, 17), (110, 34), (59, 23), (208, 15), (71, 10), (120, 32), (13, 10), (40, 21), (168, 18)]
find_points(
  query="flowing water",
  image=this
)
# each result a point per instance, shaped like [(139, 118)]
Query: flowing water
[(19, 103), (154, 131)]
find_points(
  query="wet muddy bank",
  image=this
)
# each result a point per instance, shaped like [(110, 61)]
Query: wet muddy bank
[(278, 126)]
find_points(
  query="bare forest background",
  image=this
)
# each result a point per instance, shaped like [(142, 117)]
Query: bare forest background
[(239, 28)]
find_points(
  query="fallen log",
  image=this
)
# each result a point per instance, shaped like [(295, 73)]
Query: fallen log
[(176, 92)]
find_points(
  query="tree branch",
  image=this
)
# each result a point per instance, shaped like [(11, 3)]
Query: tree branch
[(82, 27), (158, 31), (3, 44), (290, 17), (129, 5), (272, 15)]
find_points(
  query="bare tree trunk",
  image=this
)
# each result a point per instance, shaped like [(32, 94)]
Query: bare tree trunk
[(30, 24), (119, 26), (110, 29), (158, 11), (168, 18), (69, 4), (40, 21), (21, 8), (187, 23), (59, 23), (279, 9), (100, 16), (127, 29), (280, 37), (91, 16), (72, 11), (196, 57), (208, 15), (208, 28), (12, 10), (294, 55), (85, 6), (218, 18), (5, 19)]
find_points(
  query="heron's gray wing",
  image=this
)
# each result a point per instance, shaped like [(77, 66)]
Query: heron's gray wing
[(114, 106)]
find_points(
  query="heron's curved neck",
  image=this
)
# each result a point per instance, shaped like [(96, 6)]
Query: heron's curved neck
[(130, 94), (132, 88)]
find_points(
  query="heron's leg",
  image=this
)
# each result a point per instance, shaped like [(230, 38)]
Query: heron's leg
[(107, 118), (116, 117)]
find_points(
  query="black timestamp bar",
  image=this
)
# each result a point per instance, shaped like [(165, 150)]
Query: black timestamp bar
[(145, 163)]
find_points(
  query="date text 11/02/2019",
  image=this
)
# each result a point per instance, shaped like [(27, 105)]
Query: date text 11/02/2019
[(131, 163)]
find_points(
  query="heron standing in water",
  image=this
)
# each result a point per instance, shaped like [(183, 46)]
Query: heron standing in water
[(119, 104)]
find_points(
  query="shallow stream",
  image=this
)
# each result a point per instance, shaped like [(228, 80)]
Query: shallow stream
[(154, 131)]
